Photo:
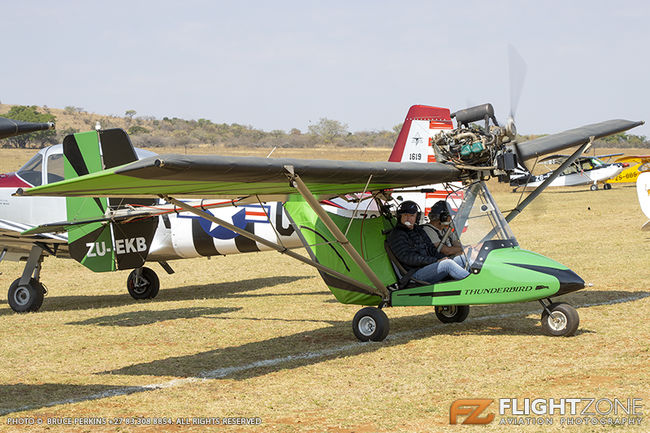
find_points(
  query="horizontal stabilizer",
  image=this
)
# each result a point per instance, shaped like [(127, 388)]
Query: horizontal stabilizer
[(19, 230), (573, 137), (124, 215)]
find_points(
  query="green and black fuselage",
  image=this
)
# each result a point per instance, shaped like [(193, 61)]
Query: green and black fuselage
[(500, 271)]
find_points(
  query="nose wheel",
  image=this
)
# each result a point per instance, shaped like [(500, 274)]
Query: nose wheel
[(560, 320)]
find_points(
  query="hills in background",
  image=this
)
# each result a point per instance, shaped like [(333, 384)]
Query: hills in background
[(148, 131)]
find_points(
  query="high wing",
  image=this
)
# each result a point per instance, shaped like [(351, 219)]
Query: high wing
[(573, 137), (229, 176), (11, 127), (559, 159), (554, 159), (634, 158)]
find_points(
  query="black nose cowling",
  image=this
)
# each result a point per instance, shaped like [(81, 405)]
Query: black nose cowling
[(569, 280)]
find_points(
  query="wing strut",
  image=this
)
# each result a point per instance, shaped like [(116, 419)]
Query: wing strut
[(533, 195), (281, 249), (297, 183)]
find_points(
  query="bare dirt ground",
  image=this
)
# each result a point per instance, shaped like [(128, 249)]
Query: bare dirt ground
[(259, 336)]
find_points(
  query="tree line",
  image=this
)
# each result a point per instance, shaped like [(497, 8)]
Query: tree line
[(148, 131)]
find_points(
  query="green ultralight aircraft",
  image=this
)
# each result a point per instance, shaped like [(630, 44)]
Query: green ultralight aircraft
[(350, 253)]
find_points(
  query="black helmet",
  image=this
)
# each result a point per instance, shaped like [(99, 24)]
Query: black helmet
[(408, 206), (439, 211)]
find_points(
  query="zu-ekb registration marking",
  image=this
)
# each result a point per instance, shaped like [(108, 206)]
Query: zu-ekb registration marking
[(122, 246)]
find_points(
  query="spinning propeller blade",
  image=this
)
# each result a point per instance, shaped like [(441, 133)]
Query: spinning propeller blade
[(518, 68)]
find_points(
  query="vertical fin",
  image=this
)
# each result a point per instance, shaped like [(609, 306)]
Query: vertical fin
[(90, 244), (104, 246), (415, 144)]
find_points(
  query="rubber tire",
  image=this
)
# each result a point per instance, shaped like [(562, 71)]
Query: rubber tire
[(370, 323), (564, 312), (456, 313), (147, 292), (34, 292), (593, 187), (607, 186)]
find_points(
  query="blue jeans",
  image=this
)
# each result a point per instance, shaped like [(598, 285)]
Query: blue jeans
[(440, 270)]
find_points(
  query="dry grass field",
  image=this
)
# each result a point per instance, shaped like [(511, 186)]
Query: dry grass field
[(259, 335)]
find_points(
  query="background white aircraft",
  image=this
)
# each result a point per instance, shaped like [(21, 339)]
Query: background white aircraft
[(585, 170)]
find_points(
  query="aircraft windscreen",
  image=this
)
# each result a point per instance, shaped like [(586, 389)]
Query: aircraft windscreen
[(31, 171), (55, 170), (597, 162), (479, 218)]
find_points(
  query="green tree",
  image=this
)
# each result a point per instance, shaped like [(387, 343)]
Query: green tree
[(137, 129), (328, 129), (130, 114), (30, 114)]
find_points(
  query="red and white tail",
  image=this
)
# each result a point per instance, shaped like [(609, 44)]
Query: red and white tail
[(415, 144), (422, 123)]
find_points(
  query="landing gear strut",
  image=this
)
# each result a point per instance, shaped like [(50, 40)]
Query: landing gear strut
[(143, 283), (26, 293), (559, 319)]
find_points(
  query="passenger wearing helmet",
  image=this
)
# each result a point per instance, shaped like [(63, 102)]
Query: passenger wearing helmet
[(439, 221), (416, 252)]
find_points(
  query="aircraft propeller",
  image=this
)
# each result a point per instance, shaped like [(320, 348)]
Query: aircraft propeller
[(517, 67)]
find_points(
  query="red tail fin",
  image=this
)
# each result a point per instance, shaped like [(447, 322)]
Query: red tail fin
[(414, 141), (414, 144)]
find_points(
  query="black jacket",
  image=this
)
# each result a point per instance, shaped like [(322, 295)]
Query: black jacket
[(413, 248)]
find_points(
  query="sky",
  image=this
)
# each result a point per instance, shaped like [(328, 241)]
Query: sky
[(286, 64)]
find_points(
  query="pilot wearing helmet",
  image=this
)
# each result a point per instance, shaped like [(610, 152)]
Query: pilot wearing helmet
[(439, 221), (413, 248)]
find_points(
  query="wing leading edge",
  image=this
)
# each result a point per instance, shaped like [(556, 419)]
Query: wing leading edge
[(230, 176), (573, 137)]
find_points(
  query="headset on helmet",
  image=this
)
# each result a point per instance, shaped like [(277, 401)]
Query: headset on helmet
[(439, 211), (411, 207)]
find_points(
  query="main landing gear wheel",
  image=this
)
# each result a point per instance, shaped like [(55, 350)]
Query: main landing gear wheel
[(370, 323), (143, 284), (452, 313), (607, 186), (563, 320), (594, 187), (25, 298)]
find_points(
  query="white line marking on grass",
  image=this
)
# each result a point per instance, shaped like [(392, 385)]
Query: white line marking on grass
[(226, 371)]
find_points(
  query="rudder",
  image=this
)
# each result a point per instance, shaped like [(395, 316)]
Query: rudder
[(103, 246)]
